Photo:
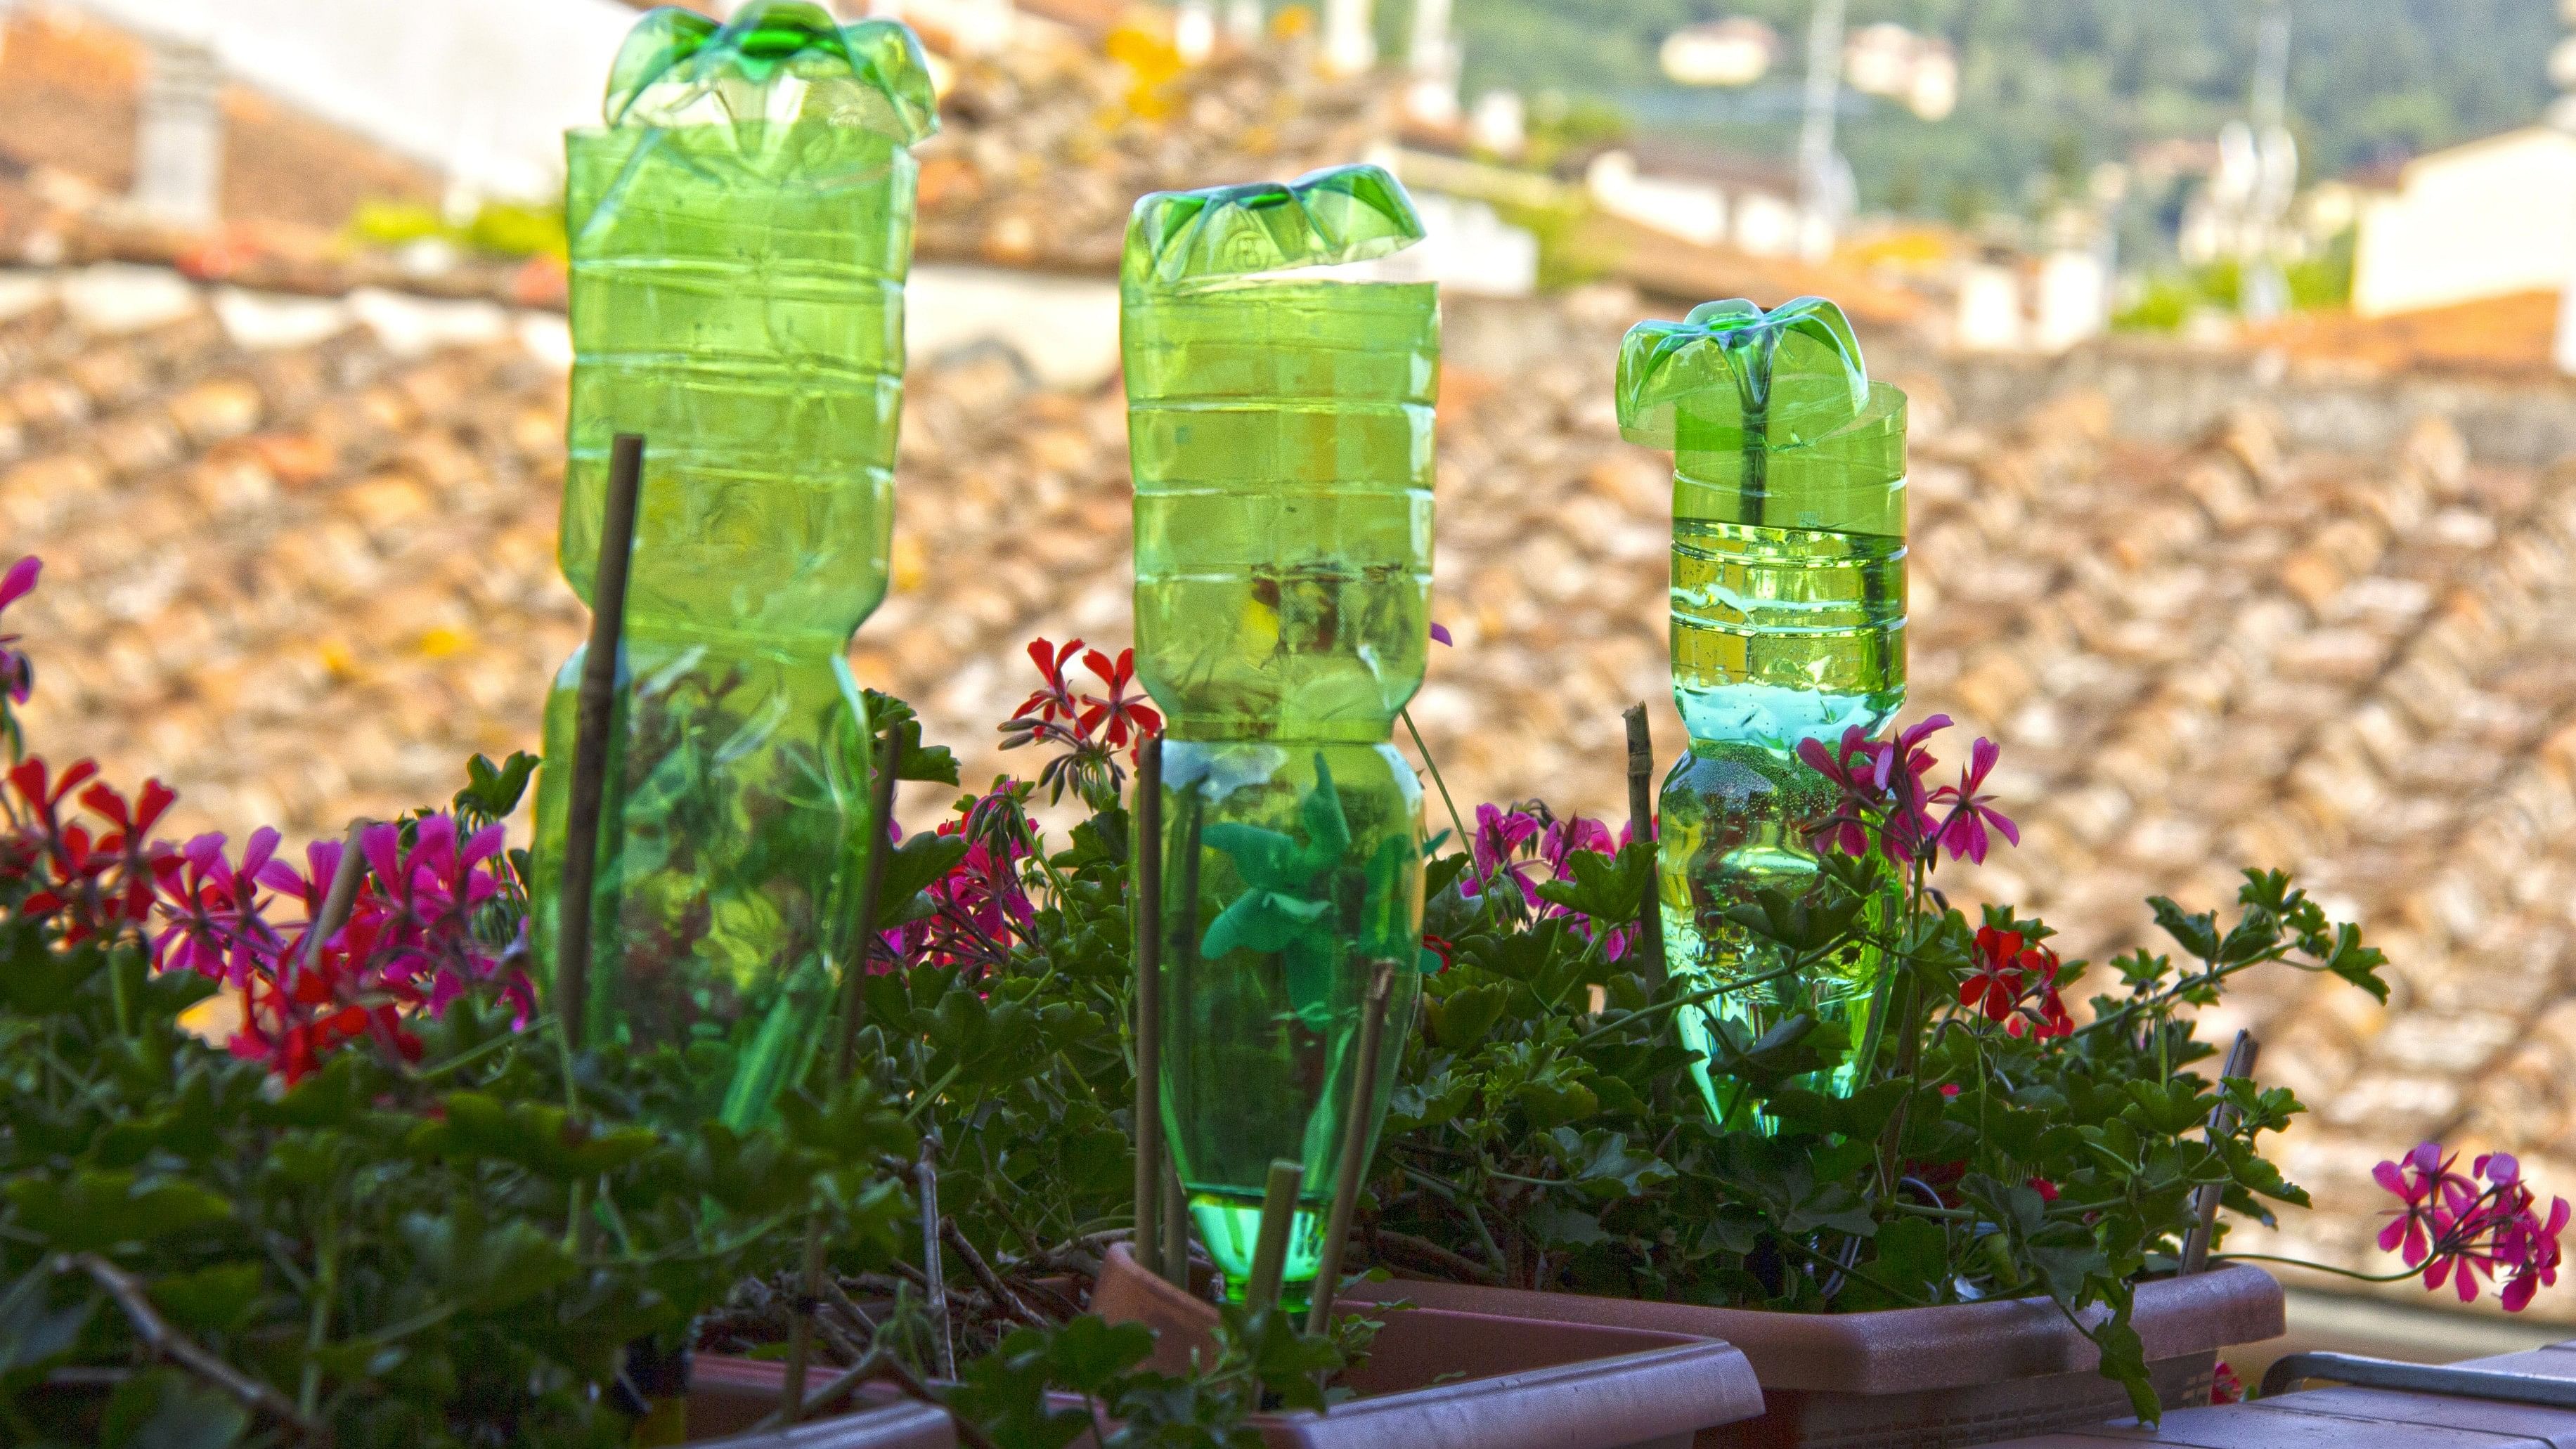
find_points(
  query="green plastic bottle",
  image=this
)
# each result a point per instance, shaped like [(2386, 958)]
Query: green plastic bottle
[(1788, 624), (740, 232), (1280, 427)]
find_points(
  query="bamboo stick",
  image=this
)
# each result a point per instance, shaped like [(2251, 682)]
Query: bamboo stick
[(1270, 1247), (1353, 1164), (2195, 1248), (593, 714), (1148, 998), (1641, 830)]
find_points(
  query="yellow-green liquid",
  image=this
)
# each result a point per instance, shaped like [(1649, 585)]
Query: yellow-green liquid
[(1778, 635)]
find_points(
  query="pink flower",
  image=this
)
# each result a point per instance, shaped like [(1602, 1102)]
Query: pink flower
[(2414, 1179), (1963, 831), (1440, 632), (17, 671), (2458, 1230)]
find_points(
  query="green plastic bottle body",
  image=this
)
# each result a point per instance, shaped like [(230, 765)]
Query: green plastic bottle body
[(738, 252), (1288, 869), (1280, 432), (1788, 625), (1778, 635), (1281, 435)]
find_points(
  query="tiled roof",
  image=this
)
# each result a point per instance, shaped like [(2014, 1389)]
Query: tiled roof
[(1043, 149), (300, 582)]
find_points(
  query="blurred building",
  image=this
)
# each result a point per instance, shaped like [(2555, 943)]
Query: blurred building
[(2489, 219)]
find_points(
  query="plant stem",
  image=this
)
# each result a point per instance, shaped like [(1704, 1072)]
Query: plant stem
[(2397, 1277), (1466, 842), (167, 1342)]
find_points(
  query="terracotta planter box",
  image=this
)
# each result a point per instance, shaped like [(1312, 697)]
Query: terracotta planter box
[(1439, 1379), (1971, 1373), (729, 1395)]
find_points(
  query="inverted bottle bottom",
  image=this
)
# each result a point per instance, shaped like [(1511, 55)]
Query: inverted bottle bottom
[(1230, 1225)]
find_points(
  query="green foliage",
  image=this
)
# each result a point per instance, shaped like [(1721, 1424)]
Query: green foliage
[(2049, 86), (422, 1253), (1547, 1131), (497, 228)]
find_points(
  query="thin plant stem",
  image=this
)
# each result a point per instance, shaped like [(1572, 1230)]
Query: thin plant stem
[(1466, 842)]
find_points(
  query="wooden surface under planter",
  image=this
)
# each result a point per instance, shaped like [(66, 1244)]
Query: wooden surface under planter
[(1970, 1373), (1525, 1384)]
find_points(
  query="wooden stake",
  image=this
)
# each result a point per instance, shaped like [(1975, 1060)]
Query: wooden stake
[(2195, 1248), (800, 1337), (1270, 1247), (926, 1173), (1641, 829), (1147, 932), (1354, 1159), (1175, 1214), (593, 715), (339, 900)]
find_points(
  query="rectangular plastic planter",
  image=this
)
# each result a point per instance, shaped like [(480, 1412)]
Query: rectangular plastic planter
[(1439, 1379), (725, 1401), (1969, 1373)]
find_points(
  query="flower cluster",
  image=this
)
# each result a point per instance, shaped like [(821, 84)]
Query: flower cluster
[(1092, 728), (2016, 984), (2458, 1227), (979, 903), (1882, 797), (1523, 846), (78, 854)]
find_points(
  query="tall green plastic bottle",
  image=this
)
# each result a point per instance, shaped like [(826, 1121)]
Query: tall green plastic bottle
[(1788, 610), (740, 233), (1280, 428)]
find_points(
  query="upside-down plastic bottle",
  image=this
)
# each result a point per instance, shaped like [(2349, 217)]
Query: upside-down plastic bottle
[(1280, 427), (1788, 624), (740, 233)]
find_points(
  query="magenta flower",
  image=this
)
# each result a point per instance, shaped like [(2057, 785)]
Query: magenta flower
[(2460, 1228), (1964, 830), (17, 672), (1440, 632)]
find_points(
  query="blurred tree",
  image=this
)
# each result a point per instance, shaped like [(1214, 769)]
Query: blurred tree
[(2369, 79)]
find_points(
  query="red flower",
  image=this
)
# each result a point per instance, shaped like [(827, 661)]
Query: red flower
[(2225, 1387), (1055, 700), (2046, 1189), (1994, 986), (1126, 715)]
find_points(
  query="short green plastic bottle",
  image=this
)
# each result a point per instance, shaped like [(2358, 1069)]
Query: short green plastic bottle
[(1280, 428), (1788, 624), (740, 232)]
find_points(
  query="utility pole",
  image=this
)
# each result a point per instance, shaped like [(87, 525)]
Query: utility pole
[(2263, 293), (1824, 186)]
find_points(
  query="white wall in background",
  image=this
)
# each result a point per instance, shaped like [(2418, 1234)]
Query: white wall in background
[(1063, 329), (1695, 211), (1990, 316), (482, 90), (2487, 219), (1466, 246), (2073, 302)]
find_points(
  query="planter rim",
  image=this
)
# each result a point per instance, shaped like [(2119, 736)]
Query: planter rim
[(1661, 1393), (865, 1424), (1904, 1350)]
